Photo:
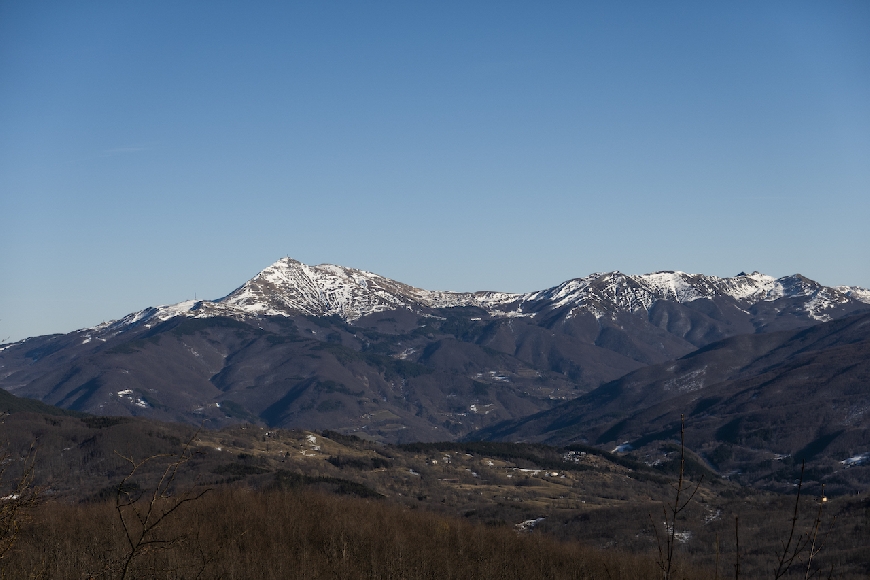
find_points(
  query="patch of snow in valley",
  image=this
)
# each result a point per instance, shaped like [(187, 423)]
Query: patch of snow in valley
[(856, 460), (688, 382), (528, 525)]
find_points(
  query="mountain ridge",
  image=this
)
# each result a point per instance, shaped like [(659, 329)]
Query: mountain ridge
[(288, 287)]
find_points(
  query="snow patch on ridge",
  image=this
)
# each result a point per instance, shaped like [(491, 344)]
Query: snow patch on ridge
[(855, 292)]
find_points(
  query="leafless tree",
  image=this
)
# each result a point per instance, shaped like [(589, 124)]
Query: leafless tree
[(143, 512), (666, 547)]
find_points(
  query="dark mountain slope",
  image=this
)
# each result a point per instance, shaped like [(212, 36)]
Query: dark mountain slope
[(756, 404), (312, 373), (10, 404)]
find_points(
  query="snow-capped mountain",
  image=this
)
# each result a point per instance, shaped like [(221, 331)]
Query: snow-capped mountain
[(289, 287), (603, 294), (334, 347)]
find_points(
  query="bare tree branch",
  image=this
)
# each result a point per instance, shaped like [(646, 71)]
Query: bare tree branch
[(141, 521)]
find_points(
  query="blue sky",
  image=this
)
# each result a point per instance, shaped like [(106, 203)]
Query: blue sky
[(150, 151)]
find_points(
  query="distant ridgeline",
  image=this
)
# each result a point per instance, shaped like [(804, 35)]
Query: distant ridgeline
[(329, 347)]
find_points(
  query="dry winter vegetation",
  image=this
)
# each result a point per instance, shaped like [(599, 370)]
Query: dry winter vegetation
[(247, 502), (240, 533)]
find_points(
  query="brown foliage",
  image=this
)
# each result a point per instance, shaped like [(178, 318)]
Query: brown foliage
[(240, 533)]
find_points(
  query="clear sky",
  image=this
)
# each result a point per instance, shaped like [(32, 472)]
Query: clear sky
[(150, 151)]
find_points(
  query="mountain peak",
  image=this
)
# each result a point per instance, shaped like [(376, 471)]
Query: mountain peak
[(289, 286)]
